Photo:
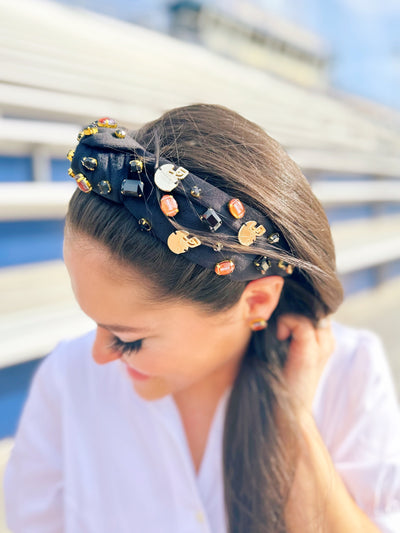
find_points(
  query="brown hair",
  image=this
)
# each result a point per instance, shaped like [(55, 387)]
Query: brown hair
[(237, 156)]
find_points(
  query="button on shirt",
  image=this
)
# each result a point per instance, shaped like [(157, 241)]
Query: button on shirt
[(91, 456)]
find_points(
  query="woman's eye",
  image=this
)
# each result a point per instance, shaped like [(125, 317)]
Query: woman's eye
[(126, 347)]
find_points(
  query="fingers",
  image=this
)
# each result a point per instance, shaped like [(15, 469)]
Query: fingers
[(302, 332), (309, 350)]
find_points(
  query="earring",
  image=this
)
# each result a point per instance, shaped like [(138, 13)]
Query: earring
[(258, 324)]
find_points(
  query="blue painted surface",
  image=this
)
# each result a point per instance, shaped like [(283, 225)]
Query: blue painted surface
[(29, 242), (358, 281), (59, 169), (14, 387), (352, 212), (15, 168)]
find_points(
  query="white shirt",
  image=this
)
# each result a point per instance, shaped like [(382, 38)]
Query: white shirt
[(91, 456)]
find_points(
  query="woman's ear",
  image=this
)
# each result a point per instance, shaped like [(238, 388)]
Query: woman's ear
[(261, 297)]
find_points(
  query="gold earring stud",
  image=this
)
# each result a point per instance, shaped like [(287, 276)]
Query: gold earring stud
[(258, 324)]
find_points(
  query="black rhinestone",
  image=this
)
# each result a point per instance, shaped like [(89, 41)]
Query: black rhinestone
[(136, 165), (144, 224), (121, 134), (104, 187), (273, 238), (90, 163), (195, 192), (262, 264), (132, 188), (212, 219)]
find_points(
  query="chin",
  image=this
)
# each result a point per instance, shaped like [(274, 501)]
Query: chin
[(153, 389)]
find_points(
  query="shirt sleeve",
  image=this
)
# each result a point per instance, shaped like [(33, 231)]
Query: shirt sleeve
[(33, 479), (362, 428)]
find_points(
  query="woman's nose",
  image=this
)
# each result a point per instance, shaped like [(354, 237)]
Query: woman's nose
[(102, 353)]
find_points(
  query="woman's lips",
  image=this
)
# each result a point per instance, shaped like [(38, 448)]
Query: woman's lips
[(135, 374)]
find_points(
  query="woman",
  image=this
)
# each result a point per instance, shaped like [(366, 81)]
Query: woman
[(197, 246)]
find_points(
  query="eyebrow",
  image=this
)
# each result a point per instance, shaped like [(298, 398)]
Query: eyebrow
[(121, 329)]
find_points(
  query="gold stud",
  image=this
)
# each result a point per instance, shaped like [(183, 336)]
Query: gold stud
[(71, 173), (286, 267), (195, 192), (70, 155)]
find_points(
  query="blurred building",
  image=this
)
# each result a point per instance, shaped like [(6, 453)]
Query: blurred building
[(259, 38)]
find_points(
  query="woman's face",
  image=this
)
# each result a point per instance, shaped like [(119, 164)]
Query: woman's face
[(181, 346)]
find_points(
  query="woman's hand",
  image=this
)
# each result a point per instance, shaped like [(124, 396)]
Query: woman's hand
[(309, 352)]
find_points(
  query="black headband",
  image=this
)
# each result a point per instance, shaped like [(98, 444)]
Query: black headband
[(109, 162)]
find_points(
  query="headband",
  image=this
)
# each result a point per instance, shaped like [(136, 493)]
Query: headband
[(110, 163)]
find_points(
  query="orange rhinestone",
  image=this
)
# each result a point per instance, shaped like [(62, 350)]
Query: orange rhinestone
[(236, 208), (169, 206), (83, 183), (224, 267)]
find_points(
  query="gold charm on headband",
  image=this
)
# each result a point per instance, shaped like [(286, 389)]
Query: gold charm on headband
[(83, 183), (71, 173), (249, 232), (236, 208), (70, 155), (167, 176), (286, 267), (168, 205), (223, 268), (90, 163), (180, 241)]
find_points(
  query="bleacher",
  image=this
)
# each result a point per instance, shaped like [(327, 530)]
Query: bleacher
[(62, 67), (57, 75)]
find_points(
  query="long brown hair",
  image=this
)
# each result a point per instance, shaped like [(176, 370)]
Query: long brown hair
[(237, 156)]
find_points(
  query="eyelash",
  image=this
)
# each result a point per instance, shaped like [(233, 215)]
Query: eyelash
[(126, 347)]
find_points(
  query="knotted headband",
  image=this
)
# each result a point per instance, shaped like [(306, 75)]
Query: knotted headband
[(109, 162)]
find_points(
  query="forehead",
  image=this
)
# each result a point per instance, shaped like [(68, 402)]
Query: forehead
[(96, 274), (113, 293)]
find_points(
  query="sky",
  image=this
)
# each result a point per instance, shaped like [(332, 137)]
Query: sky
[(363, 36)]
